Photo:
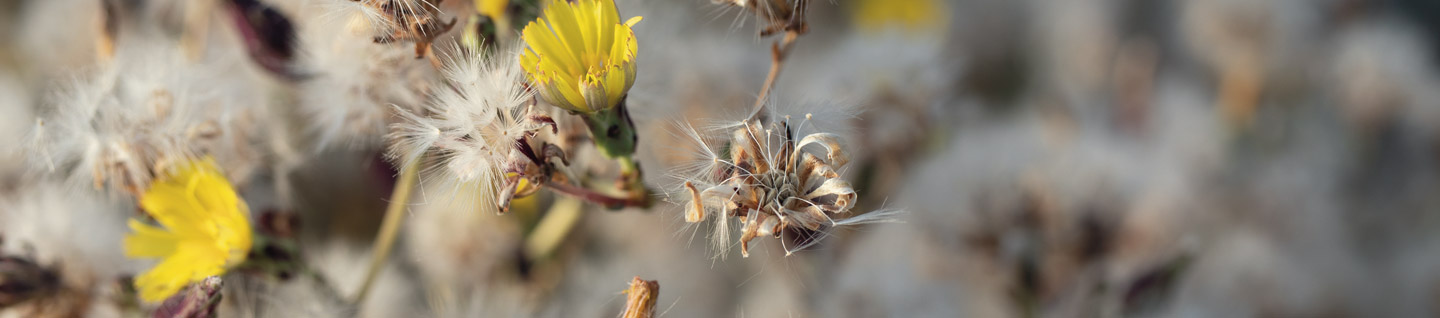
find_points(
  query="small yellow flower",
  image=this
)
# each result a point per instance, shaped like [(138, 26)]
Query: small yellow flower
[(205, 231), (580, 56), (909, 15)]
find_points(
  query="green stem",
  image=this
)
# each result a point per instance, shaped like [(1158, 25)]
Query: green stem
[(390, 227), (612, 130), (553, 227)]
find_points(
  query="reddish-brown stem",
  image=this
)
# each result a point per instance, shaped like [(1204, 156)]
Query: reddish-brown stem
[(597, 197), (778, 52)]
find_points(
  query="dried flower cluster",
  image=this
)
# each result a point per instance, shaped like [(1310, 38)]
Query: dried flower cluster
[(773, 181)]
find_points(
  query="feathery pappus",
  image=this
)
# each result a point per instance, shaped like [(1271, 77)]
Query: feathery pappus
[(475, 133)]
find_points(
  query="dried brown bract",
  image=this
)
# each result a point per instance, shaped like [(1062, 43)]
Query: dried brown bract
[(782, 15), (640, 298), (773, 181), (416, 21), (197, 301)]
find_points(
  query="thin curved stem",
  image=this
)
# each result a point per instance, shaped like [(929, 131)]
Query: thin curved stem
[(778, 52), (389, 227)]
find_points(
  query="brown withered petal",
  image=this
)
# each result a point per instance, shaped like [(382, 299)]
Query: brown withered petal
[(834, 153)]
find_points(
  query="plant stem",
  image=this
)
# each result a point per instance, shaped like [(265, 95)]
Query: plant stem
[(778, 52), (602, 199), (390, 227), (553, 227)]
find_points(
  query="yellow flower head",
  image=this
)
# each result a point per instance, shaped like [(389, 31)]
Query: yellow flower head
[(909, 15), (581, 57), (205, 230)]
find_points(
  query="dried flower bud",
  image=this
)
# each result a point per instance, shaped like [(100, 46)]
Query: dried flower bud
[(640, 298)]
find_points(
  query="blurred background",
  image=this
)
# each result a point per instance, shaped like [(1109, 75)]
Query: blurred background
[(1056, 158)]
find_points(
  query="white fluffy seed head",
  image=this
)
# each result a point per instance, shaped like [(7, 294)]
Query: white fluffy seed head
[(149, 107), (471, 125), (356, 83)]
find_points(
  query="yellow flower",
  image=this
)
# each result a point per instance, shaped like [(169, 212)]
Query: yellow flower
[(205, 231), (910, 15), (581, 57), (494, 9)]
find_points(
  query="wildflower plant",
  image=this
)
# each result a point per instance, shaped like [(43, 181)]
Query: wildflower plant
[(204, 229)]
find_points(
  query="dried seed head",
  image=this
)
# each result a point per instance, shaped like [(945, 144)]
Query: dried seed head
[(475, 130), (356, 83), (145, 110), (417, 21), (773, 182)]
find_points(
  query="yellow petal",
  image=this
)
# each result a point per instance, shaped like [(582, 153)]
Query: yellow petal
[(186, 266), (148, 241)]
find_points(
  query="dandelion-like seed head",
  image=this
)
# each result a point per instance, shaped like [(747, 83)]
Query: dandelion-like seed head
[(117, 126), (581, 57), (471, 129), (769, 180), (204, 229)]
